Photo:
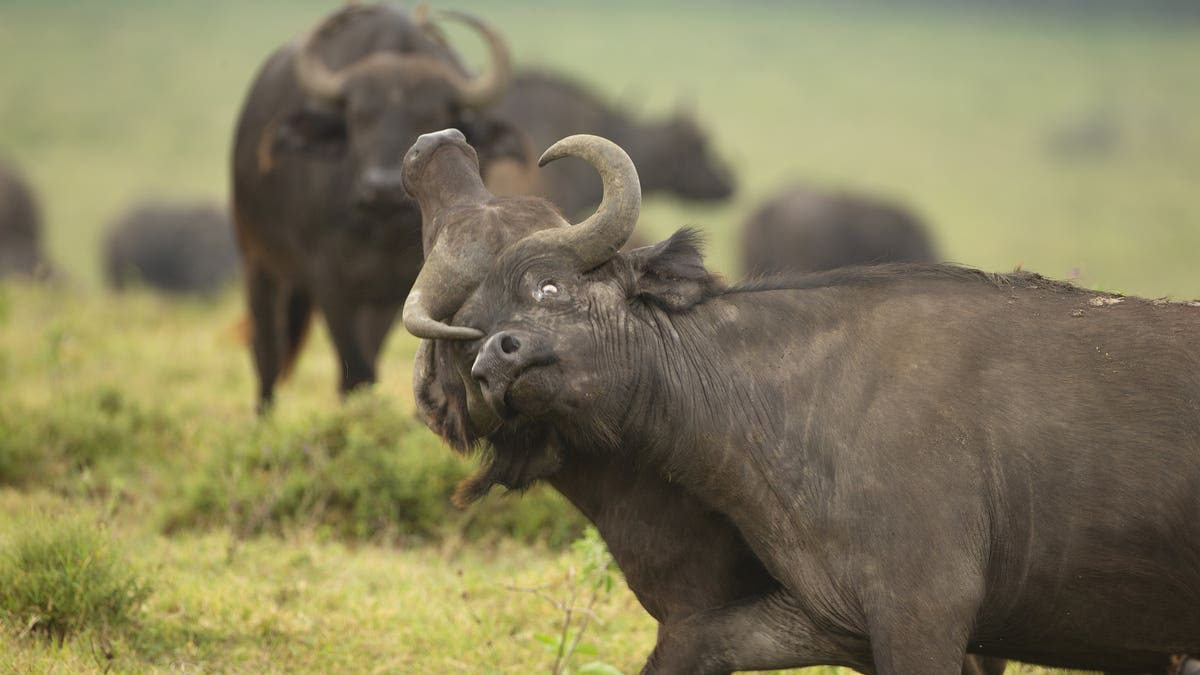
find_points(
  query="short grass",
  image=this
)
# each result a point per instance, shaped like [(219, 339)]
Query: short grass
[(268, 547)]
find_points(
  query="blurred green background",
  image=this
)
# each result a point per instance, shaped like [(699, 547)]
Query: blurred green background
[(1063, 136)]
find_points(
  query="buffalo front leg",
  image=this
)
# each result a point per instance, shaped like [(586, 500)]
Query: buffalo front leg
[(764, 633), (374, 323), (342, 320), (919, 637)]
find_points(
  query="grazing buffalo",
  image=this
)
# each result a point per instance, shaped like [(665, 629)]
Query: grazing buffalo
[(673, 154), (20, 226), (177, 248), (928, 459), (678, 556), (322, 218), (804, 229)]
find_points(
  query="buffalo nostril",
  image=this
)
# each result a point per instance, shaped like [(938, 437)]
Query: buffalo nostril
[(509, 344)]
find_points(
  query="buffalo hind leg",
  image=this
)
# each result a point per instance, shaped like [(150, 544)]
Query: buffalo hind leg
[(296, 321), (263, 295)]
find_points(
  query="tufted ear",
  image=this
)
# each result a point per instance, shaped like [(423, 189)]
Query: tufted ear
[(671, 273), (318, 133)]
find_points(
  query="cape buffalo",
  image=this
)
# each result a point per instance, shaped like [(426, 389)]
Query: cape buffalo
[(929, 459), (672, 154), (677, 555), (321, 216), (20, 226), (805, 229), (177, 248)]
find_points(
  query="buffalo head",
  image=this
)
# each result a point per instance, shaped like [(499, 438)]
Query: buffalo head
[(532, 346), (370, 111), (465, 228), (674, 155)]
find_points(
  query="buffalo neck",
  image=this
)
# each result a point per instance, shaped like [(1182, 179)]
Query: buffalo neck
[(706, 406)]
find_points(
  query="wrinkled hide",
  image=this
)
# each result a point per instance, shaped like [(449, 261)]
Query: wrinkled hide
[(928, 459)]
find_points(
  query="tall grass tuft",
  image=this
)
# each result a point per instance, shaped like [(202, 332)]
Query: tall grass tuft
[(61, 575)]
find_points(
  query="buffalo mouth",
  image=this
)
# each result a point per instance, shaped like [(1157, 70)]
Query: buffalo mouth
[(518, 390)]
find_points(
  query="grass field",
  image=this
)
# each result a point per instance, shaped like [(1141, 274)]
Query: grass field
[(323, 541)]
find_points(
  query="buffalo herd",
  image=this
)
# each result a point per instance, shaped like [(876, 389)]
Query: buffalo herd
[(856, 456)]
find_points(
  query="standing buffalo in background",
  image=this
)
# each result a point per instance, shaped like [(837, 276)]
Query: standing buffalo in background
[(804, 229), (20, 227), (678, 556), (928, 459), (672, 154), (177, 248), (322, 218)]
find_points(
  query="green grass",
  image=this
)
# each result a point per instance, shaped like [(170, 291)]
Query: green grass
[(59, 576), (322, 540)]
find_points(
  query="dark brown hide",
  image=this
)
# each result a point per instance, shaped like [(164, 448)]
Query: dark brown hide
[(20, 227), (929, 459), (806, 229), (678, 556), (672, 154), (322, 219), (172, 247)]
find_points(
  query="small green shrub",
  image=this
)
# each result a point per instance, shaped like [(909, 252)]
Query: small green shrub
[(590, 575), (85, 433), (58, 576), (367, 471)]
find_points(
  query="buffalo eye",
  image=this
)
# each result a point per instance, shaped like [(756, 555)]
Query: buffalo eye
[(546, 289)]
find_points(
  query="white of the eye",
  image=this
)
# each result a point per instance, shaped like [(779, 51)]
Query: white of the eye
[(549, 289)]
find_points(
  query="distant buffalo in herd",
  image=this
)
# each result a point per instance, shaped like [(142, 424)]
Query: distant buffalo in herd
[(673, 154), (912, 479), (807, 229), (323, 221), (20, 227), (181, 248)]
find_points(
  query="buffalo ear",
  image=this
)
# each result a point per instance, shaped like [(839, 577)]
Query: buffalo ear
[(317, 133), (494, 139), (671, 273)]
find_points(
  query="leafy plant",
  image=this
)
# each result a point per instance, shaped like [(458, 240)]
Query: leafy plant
[(590, 575)]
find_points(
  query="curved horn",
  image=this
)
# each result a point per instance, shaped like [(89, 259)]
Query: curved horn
[(439, 290), (598, 238), (489, 85), (314, 76)]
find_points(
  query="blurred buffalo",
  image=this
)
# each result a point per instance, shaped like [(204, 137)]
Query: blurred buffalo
[(672, 154), (172, 247), (20, 227), (805, 229), (323, 221)]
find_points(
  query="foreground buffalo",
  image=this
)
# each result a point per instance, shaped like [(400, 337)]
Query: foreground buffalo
[(20, 226), (804, 229), (672, 154), (928, 459), (176, 248), (678, 556), (322, 218)]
